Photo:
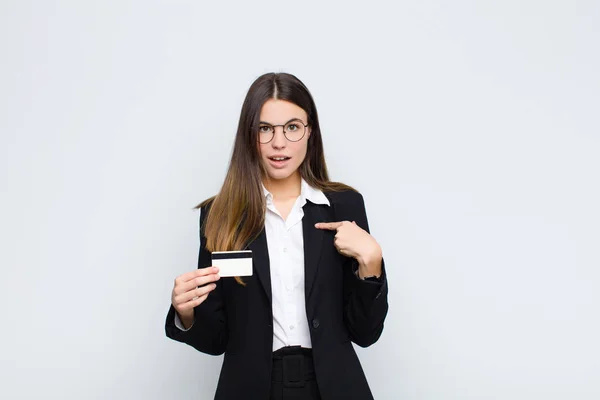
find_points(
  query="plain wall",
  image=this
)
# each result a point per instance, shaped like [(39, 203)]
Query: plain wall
[(471, 128)]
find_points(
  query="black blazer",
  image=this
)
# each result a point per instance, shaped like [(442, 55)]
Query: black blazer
[(341, 309)]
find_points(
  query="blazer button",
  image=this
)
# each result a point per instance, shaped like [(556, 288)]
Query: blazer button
[(315, 323)]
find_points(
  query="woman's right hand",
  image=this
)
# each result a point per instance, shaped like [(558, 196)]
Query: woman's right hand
[(186, 294)]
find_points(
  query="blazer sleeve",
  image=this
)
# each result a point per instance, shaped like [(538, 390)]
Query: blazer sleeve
[(365, 302), (208, 332)]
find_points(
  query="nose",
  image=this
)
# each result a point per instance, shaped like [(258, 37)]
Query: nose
[(279, 139)]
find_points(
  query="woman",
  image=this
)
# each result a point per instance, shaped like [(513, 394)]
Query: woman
[(318, 279)]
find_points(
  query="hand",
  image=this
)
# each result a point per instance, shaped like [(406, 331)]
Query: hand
[(186, 294), (353, 241)]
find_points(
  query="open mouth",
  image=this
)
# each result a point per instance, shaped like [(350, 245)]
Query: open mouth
[(279, 162)]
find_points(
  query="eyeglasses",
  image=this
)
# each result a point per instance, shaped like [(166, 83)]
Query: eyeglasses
[(293, 131)]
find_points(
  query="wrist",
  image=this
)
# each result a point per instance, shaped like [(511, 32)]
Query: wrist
[(187, 319), (369, 266), (371, 259)]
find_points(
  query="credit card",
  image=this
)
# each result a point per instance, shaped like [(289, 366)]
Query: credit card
[(233, 263)]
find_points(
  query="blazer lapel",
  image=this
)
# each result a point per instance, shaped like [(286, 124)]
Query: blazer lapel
[(313, 241), (262, 266)]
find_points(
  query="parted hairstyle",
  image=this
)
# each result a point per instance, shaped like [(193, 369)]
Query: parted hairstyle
[(237, 213)]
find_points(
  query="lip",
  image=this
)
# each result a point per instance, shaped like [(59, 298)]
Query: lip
[(279, 164)]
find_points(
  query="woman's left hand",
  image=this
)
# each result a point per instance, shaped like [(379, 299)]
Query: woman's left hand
[(353, 241)]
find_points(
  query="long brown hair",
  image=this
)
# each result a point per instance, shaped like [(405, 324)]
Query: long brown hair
[(237, 213)]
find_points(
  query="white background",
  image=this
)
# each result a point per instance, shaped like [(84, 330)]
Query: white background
[(470, 127)]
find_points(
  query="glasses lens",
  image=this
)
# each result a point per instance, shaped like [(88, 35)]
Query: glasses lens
[(265, 133), (294, 130)]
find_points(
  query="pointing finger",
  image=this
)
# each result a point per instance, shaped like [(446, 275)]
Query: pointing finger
[(328, 225)]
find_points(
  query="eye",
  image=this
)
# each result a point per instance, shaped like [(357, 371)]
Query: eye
[(265, 129), (292, 127)]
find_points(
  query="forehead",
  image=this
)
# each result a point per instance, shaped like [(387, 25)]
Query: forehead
[(280, 111)]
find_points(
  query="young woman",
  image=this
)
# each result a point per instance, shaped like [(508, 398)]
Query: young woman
[(318, 281)]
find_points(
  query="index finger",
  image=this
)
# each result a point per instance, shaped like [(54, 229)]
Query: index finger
[(188, 276), (328, 225)]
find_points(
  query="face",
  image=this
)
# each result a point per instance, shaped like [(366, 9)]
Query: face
[(281, 112)]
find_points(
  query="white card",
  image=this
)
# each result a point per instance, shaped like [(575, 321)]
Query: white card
[(233, 263)]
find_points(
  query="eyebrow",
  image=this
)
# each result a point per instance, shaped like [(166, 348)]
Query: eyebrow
[(293, 119)]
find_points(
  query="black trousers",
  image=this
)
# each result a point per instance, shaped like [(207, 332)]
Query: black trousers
[(293, 375)]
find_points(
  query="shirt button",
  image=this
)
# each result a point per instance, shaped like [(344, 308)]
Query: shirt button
[(291, 327), (315, 323), (285, 249)]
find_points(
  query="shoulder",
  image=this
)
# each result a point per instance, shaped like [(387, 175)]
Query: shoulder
[(348, 205), (346, 202), (205, 205), (204, 208), (344, 197)]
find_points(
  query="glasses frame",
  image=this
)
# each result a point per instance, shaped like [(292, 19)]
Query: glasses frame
[(284, 132)]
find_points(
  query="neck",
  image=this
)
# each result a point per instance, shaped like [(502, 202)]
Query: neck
[(284, 188)]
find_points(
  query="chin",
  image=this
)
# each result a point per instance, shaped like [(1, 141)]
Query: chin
[(279, 175)]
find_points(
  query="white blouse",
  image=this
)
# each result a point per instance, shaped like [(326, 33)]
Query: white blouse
[(286, 257)]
